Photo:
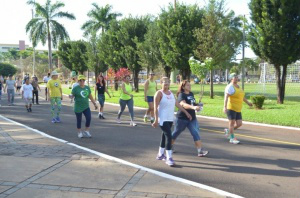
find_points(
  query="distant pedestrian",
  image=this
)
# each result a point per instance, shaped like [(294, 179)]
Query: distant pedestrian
[(55, 96), (164, 105), (1, 88), (233, 102), (36, 88), (19, 85), (10, 85), (82, 94), (101, 88), (27, 92), (187, 100), (178, 79), (46, 79), (126, 98), (73, 83), (150, 87)]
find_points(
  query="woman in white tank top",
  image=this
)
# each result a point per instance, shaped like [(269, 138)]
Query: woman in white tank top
[(164, 106)]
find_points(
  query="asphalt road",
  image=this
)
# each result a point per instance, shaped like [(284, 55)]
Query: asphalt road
[(265, 164)]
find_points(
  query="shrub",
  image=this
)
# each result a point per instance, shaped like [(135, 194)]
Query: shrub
[(258, 100)]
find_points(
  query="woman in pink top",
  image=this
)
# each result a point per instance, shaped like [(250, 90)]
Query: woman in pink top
[(164, 105)]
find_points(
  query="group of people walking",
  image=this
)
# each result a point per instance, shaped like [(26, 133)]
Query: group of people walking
[(160, 111)]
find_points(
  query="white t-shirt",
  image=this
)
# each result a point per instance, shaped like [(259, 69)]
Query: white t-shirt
[(10, 84), (46, 79), (230, 89), (27, 90)]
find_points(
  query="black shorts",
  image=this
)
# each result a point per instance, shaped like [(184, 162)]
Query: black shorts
[(18, 87), (233, 115)]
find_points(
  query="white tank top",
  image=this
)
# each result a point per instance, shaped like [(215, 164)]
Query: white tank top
[(166, 108)]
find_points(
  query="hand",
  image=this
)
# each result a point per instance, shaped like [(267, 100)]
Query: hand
[(250, 104), (155, 124), (197, 108), (188, 116), (225, 110), (146, 99), (96, 107)]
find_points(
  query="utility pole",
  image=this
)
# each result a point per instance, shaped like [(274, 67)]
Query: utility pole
[(33, 57), (243, 56)]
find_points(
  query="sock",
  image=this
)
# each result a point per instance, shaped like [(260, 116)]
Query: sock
[(99, 113), (199, 150), (145, 116), (169, 154), (161, 151), (152, 118), (231, 136)]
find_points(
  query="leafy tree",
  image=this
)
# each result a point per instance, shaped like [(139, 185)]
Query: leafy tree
[(63, 54), (274, 36), (219, 38), (100, 18), (78, 56), (44, 26), (7, 69), (177, 42), (132, 32)]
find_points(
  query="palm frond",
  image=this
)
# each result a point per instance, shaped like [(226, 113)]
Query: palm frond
[(58, 32), (64, 15), (31, 23), (56, 7)]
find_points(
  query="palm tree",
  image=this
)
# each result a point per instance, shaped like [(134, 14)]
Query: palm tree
[(100, 18), (44, 26)]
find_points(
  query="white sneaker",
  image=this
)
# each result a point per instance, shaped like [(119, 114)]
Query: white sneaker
[(80, 135), (234, 141), (132, 123), (87, 134), (227, 133), (119, 121)]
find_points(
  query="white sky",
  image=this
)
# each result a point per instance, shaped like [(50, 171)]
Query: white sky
[(15, 14)]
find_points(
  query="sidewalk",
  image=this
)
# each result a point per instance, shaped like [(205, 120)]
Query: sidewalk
[(34, 166)]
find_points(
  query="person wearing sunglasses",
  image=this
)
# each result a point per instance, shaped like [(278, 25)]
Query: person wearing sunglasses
[(81, 95), (233, 103), (126, 98), (150, 87)]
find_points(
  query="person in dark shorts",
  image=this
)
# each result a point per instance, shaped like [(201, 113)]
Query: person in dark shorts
[(233, 103), (150, 88), (101, 88), (35, 91)]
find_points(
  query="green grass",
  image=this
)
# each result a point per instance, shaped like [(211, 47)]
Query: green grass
[(286, 115)]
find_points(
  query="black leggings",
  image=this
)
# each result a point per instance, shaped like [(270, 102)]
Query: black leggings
[(36, 94), (167, 134), (87, 114)]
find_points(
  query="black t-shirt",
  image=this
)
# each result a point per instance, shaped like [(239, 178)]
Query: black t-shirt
[(189, 99), (0, 85), (101, 89)]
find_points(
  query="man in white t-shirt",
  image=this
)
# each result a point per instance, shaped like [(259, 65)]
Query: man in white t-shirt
[(10, 85), (46, 79), (27, 95)]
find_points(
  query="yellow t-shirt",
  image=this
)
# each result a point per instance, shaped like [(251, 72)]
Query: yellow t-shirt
[(54, 87), (235, 99)]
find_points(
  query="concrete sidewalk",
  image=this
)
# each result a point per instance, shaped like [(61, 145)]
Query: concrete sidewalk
[(34, 166)]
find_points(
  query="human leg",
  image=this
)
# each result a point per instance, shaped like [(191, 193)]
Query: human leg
[(122, 107)]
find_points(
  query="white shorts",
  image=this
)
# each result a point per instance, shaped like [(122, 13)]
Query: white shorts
[(28, 101)]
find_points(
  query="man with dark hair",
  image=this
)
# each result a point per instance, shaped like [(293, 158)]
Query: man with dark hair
[(35, 91)]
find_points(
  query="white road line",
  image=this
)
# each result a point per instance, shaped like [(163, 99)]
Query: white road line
[(108, 157)]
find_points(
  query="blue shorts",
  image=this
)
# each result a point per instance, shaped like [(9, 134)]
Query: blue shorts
[(101, 99), (150, 98), (192, 125)]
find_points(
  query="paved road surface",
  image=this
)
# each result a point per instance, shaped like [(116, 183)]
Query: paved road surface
[(266, 164)]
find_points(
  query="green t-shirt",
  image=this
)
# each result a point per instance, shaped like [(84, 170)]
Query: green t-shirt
[(81, 98), (128, 88)]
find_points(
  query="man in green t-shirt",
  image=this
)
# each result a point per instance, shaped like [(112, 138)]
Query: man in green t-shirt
[(82, 94)]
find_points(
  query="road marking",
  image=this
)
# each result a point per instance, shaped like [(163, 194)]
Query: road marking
[(108, 157)]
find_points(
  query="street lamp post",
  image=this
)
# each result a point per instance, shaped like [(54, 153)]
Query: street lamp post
[(243, 56), (33, 57)]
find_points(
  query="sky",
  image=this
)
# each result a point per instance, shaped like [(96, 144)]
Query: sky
[(15, 14)]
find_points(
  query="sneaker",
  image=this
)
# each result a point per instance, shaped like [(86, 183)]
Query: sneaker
[(53, 119), (80, 135), (227, 133), (152, 121), (99, 116), (170, 162), (57, 119), (87, 134), (119, 121), (202, 153), (162, 157), (132, 123), (145, 118), (30, 110), (234, 141), (102, 117)]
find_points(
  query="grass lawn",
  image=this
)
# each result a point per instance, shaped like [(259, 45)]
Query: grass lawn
[(287, 114)]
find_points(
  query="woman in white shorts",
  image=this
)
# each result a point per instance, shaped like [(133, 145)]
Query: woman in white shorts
[(27, 95)]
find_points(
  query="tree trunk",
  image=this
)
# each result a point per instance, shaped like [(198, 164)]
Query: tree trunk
[(167, 71), (280, 78), (186, 74), (136, 80), (116, 84), (211, 85), (49, 50)]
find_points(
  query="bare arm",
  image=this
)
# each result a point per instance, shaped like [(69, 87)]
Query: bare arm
[(187, 106), (183, 110), (107, 92), (39, 87), (93, 101), (146, 85), (95, 92), (60, 89), (225, 103), (157, 99), (248, 103)]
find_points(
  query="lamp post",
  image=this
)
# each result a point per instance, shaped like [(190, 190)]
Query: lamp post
[(33, 57), (243, 56)]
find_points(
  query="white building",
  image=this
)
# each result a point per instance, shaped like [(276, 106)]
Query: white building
[(7, 47)]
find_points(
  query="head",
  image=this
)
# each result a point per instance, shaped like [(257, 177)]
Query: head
[(233, 77), (165, 83), (49, 74), (100, 79), (151, 75), (126, 78), (185, 86), (81, 80), (27, 81), (10, 77), (54, 75)]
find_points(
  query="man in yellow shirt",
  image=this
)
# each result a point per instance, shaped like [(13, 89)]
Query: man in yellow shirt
[(55, 96)]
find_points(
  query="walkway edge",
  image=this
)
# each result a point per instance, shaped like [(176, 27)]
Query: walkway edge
[(108, 157)]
